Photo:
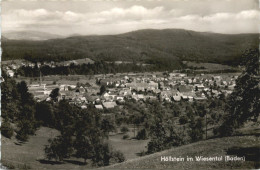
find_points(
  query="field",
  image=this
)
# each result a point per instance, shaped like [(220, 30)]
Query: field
[(129, 147), (207, 66), (247, 146), (31, 153)]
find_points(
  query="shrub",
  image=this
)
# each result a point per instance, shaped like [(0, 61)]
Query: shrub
[(26, 128), (125, 136), (142, 153), (7, 130), (124, 129), (142, 135), (183, 120), (196, 130), (117, 157)]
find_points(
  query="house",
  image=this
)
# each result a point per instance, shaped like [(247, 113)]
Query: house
[(200, 86), (10, 73), (84, 107), (106, 82), (151, 97), (200, 98), (120, 98), (109, 96), (64, 87), (109, 105), (153, 85), (14, 67), (176, 98), (231, 87), (72, 86), (185, 98), (81, 90), (125, 92), (99, 106), (92, 98), (184, 88), (138, 96)]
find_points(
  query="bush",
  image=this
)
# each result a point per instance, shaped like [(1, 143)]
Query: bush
[(142, 153), (26, 128), (183, 120), (117, 157), (196, 130), (142, 135), (59, 148), (125, 136), (7, 130), (124, 129)]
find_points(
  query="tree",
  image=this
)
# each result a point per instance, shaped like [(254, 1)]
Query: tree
[(183, 120), (244, 102), (26, 128), (107, 126), (196, 130), (25, 96), (84, 148), (54, 94), (124, 129), (7, 130), (142, 135), (102, 89), (59, 148), (44, 113)]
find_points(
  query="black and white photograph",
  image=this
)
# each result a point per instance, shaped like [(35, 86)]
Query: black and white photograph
[(130, 84)]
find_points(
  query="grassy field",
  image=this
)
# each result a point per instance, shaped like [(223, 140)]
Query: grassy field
[(31, 153), (129, 147), (247, 146)]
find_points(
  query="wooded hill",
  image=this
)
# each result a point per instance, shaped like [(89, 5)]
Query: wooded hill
[(147, 46)]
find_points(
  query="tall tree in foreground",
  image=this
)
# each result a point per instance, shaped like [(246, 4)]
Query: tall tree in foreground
[(54, 94), (244, 102)]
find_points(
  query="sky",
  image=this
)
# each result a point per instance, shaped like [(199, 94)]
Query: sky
[(99, 17)]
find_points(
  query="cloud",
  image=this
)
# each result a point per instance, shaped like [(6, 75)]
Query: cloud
[(118, 20)]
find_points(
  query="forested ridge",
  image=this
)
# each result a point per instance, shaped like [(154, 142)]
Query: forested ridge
[(146, 46)]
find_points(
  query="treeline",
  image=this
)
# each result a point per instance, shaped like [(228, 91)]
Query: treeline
[(83, 133), (18, 107), (99, 67)]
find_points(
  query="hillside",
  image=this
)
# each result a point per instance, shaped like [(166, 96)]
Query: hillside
[(247, 146), (148, 46), (29, 35), (31, 154)]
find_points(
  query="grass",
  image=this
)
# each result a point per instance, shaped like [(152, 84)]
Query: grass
[(131, 148), (30, 155), (213, 147)]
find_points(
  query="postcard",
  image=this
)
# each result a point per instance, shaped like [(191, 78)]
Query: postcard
[(130, 84)]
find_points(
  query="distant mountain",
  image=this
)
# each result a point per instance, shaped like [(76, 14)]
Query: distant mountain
[(30, 35), (148, 46)]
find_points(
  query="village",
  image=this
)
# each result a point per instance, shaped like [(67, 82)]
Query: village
[(164, 87)]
